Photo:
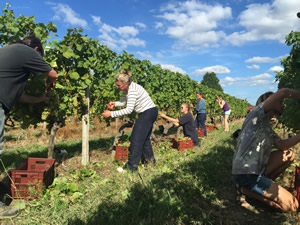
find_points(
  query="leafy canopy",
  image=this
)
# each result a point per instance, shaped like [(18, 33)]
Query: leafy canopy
[(210, 80)]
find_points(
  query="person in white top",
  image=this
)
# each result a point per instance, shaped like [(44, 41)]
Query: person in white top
[(136, 98)]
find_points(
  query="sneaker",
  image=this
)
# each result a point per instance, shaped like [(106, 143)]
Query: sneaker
[(8, 212)]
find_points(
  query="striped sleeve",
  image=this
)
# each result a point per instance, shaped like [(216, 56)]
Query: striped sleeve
[(122, 102), (138, 100), (130, 105)]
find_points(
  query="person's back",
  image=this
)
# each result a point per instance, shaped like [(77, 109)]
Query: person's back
[(189, 128), (16, 63)]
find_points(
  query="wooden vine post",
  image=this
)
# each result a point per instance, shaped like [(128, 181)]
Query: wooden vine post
[(85, 131)]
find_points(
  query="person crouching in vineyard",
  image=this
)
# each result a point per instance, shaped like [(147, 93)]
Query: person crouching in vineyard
[(255, 166), (17, 61), (137, 99), (187, 122), (224, 105)]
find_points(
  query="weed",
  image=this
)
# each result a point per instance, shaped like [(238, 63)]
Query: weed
[(192, 187)]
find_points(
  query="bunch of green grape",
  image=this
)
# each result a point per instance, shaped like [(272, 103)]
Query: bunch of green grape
[(183, 138), (124, 144)]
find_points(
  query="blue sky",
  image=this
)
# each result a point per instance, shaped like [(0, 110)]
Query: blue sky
[(242, 41)]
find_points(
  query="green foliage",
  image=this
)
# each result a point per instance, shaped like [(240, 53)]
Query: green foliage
[(192, 187), (13, 28), (290, 78), (210, 80), (86, 68), (238, 107)]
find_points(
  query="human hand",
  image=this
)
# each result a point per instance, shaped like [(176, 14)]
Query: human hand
[(111, 105), (106, 113), (48, 85), (286, 155)]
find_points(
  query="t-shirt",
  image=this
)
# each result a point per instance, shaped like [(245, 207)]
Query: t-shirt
[(17, 61), (226, 106), (254, 143), (137, 100), (189, 128)]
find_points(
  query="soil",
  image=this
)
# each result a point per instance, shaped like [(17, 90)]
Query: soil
[(101, 156), (17, 137)]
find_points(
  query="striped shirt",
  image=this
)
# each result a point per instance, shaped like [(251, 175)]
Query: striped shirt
[(137, 100)]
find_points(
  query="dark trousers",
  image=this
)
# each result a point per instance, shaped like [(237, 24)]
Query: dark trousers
[(200, 121), (140, 144)]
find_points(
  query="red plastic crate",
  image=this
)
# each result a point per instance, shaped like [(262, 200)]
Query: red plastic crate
[(209, 128), (121, 153), (182, 145), (31, 177), (200, 132)]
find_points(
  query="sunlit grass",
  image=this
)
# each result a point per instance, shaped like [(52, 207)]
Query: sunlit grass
[(192, 187)]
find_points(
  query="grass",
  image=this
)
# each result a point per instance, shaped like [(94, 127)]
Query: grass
[(192, 187)]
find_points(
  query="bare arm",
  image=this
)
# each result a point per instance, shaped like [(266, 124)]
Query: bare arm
[(175, 121), (222, 103), (50, 80), (275, 100), (287, 143), (33, 99)]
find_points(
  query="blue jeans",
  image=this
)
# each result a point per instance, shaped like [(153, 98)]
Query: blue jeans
[(140, 144), (2, 121), (200, 121), (256, 183)]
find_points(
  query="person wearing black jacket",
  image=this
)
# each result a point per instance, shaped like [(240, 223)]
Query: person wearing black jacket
[(17, 61)]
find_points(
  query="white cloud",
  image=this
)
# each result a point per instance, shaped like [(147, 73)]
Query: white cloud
[(259, 59), (254, 66), (194, 23), (258, 80), (173, 68), (64, 13), (216, 69), (141, 25), (267, 21), (120, 38), (145, 55), (127, 31), (275, 69), (96, 19), (158, 25)]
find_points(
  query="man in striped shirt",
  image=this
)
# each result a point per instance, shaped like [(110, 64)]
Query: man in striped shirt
[(138, 100)]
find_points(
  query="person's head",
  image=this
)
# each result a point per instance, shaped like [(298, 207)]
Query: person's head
[(218, 99), (123, 80), (277, 108), (32, 42), (185, 108), (200, 95), (263, 97)]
